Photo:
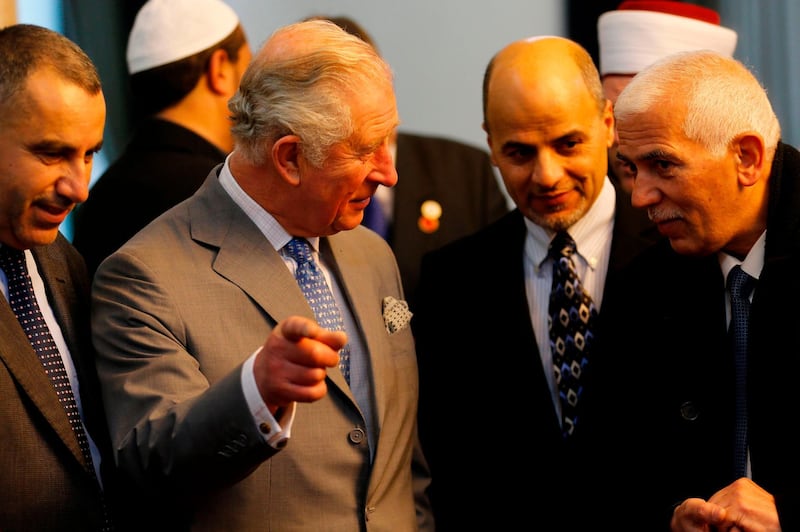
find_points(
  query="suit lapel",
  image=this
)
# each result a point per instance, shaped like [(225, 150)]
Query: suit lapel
[(246, 258), (23, 363), (352, 266)]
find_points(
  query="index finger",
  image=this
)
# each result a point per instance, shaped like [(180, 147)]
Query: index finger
[(295, 328)]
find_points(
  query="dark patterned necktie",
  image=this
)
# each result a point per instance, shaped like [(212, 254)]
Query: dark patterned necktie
[(571, 316), (318, 294), (22, 300), (740, 284)]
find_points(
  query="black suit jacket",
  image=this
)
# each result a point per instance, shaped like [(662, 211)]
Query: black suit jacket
[(665, 411), (460, 178), (46, 484), (163, 164), (483, 390)]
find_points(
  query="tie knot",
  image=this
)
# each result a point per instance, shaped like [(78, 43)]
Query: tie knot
[(299, 249), (12, 260), (562, 245), (740, 283)]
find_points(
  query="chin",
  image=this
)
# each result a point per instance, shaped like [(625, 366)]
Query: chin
[(39, 237), (684, 246), (343, 225)]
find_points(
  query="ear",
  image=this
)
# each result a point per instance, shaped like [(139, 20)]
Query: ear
[(220, 72), (485, 128), (286, 157), (750, 161), (608, 123)]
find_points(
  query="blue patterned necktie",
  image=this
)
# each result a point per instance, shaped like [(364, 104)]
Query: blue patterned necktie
[(571, 316), (318, 294), (740, 284), (23, 302)]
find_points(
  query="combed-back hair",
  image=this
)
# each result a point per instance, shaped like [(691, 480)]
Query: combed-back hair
[(720, 96), (305, 92), (26, 48)]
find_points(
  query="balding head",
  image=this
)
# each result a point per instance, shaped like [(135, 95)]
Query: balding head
[(549, 127), (537, 63)]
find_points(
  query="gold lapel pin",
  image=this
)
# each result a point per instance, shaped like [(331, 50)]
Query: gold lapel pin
[(431, 212)]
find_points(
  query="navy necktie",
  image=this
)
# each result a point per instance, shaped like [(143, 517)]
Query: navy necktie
[(740, 284), (23, 302), (318, 294), (571, 317)]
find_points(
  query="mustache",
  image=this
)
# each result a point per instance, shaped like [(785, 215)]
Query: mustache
[(663, 214)]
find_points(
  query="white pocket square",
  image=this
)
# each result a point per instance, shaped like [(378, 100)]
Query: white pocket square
[(396, 315)]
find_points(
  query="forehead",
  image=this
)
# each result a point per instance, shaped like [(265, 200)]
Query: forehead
[(658, 130), (613, 85), (532, 90), (54, 107), (374, 110), (542, 109)]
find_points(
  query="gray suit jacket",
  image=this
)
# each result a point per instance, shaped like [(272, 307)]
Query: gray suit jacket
[(178, 309)]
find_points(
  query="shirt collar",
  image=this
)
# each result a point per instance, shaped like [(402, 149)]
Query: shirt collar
[(266, 223), (752, 263), (590, 232)]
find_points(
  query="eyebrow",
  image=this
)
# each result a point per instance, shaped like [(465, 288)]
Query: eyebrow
[(652, 155), (513, 144), (60, 147), (657, 154)]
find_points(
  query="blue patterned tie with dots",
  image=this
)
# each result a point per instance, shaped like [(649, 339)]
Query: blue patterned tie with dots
[(318, 294), (740, 284), (571, 316), (22, 300)]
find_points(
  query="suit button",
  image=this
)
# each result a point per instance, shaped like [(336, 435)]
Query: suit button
[(689, 411), (357, 435)]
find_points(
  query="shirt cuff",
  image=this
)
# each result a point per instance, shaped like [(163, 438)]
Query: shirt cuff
[(276, 430)]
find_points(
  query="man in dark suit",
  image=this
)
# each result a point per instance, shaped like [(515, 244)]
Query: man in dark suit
[(53, 113), (446, 189), (227, 401), (486, 365), (185, 59), (713, 175)]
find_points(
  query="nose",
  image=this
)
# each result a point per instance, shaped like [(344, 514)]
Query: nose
[(644, 194), (547, 169), (384, 172), (74, 184)]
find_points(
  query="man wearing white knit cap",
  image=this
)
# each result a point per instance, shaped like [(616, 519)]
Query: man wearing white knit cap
[(640, 32), (185, 59)]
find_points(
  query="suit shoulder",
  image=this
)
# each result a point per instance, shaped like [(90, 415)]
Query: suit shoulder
[(436, 143), (507, 230), (363, 238)]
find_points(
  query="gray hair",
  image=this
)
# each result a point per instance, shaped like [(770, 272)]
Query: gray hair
[(722, 98), (26, 48), (304, 92)]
